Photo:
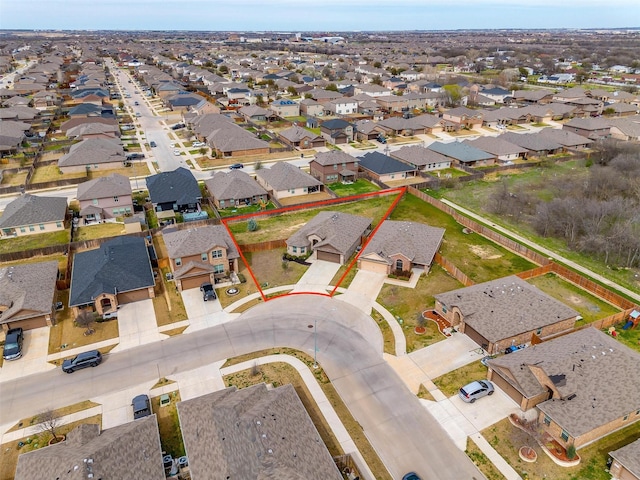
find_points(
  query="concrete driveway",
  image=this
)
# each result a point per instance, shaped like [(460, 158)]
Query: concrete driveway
[(364, 289), (450, 354), (203, 314), (317, 277), (137, 325), (34, 356)]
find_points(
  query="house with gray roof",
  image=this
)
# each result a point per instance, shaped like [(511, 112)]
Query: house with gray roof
[(199, 255), (117, 272), (235, 189), (27, 295), (463, 154), (12, 134), (105, 198), (31, 214), (383, 168), (301, 138), (536, 144), (504, 312), (220, 430), (593, 128), (626, 462), (90, 452), (334, 166), (583, 385), (401, 246), (504, 151), (421, 158), (93, 154), (625, 128), (566, 138), (174, 191), (330, 236), (285, 180)]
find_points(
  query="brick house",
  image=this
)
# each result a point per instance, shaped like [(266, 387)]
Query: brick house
[(234, 189), (105, 198), (334, 166), (337, 131), (285, 180)]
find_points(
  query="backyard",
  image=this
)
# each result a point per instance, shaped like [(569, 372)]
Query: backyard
[(356, 188), (99, 230), (37, 240)]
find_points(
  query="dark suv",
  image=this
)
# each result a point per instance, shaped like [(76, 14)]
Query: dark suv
[(208, 292), (92, 358), (141, 406), (13, 344)]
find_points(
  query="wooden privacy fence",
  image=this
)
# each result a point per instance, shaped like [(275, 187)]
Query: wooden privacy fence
[(264, 246), (452, 270)]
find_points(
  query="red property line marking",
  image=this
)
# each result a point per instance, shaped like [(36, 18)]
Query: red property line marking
[(400, 190)]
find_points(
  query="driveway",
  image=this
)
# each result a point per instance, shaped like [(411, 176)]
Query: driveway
[(35, 349), (203, 314), (137, 325), (442, 357), (317, 277), (364, 289)]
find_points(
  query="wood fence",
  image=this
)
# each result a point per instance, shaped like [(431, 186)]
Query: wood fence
[(454, 271), (264, 246)]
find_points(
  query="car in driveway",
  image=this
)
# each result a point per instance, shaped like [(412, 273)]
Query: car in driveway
[(176, 152), (13, 344), (153, 144), (92, 358), (411, 476), (474, 390), (141, 406), (236, 166), (208, 292)]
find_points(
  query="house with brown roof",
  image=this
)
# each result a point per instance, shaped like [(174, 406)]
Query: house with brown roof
[(334, 166), (583, 385), (330, 236), (504, 312), (234, 189), (27, 295), (593, 128), (626, 462), (311, 108), (31, 214), (220, 431), (90, 452), (93, 154), (421, 158), (199, 255), (285, 180), (105, 198), (401, 246), (301, 138), (464, 117), (504, 151)]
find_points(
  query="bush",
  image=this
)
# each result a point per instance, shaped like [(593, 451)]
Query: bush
[(252, 225), (571, 452)]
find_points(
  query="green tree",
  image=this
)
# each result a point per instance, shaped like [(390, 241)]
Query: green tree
[(454, 93), (332, 87), (252, 225), (377, 64), (377, 80)]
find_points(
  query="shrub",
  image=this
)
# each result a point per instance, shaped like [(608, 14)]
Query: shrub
[(252, 225), (571, 452)]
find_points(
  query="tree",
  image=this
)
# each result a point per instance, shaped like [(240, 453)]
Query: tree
[(292, 90), (377, 64), (49, 421), (454, 93), (332, 87), (86, 319), (377, 80), (257, 166), (252, 225)]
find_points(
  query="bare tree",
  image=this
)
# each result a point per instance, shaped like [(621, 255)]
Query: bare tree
[(49, 421), (86, 319)]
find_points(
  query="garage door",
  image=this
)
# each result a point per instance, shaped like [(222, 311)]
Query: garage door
[(329, 257), (506, 387), (376, 267), (476, 337), (30, 323), (194, 282)]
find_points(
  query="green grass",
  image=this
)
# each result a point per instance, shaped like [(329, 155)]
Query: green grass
[(450, 383), (356, 188), (631, 337), (38, 240), (169, 425), (232, 212), (100, 230), (482, 462)]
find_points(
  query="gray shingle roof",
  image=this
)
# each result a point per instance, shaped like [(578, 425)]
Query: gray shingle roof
[(460, 151), (531, 141), (30, 209), (28, 288), (419, 156), (220, 431), (496, 146), (233, 185), (93, 151), (629, 457), (337, 230), (102, 187), (178, 186), (602, 373), (334, 157), (118, 265), (416, 241), (381, 164), (284, 176), (564, 137), (116, 453), (505, 307), (184, 243), (296, 134)]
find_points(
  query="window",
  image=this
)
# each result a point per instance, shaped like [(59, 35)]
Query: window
[(638, 412), (547, 420), (94, 201), (203, 257), (302, 249), (222, 203), (539, 331), (565, 435), (218, 268), (399, 264), (626, 417), (22, 230), (335, 166), (216, 254), (31, 228), (178, 262), (59, 224), (295, 249), (41, 227)]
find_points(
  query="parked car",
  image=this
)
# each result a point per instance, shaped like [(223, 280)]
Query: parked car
[(141, 406), (381, 139), (136, 103), (153, 144), (177, 126), (236, 166), (514, 348), (411, 476), (176, 152), (208, 292), (92, 358), (110, 315), (474, 390), (198, 144), (13, 344)]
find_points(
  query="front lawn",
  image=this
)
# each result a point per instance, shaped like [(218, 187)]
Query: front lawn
[(64, 335), (169, 425), (450, 383), (270, 270), (38, 240), (167, 303), (356, 188)]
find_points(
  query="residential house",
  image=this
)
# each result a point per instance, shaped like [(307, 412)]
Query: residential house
[(311, 108), (93, 154), (330, 236), (74, 122), (200, 255), (464, 117), (85, 131), (334, 166), (536, 144), (105, 198), (421, 158), (504, 312), (285, 180), (301, 138), (337, 131), (27, 295), (368, 130), (527, 97), (226, 138), (401, 246), (323, 96), (220, 431), (463, 154), (254, 113), (174, 191), (562, 379), (235, 189), (626, 462), (383, 168), (182, 101), (341, 106), (30, 214), (372, 90), (12, 134), (501, 149), (285, 108), (625, 128), (116, 273), (566, 138), (593, 128), (90, 452)]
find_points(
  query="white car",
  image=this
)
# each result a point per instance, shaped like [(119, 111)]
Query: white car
[(198, 144), (176, 152)]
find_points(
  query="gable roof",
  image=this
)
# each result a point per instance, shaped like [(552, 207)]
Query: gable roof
[(28, 288), (419, 156), (505, 307), (118, 265), (531, 141), (283, 176), (30, 209), (297, 134), (233, 185), (462, 152), (629, 457), (496, 146), (564, 137), (178, 186), (93, 151), (103, 187), (335, 124), (335, 229), (195, 241), (333, 157), (382, 164)]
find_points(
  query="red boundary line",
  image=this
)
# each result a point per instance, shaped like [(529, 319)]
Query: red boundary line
[(400, 190)]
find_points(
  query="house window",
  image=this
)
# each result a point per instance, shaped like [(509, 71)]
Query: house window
[(31, 228), (203, 257), (218, 268), (59, 224), (565, 435), (302, 249), (638, 412), (22, 230), (115, 199), (295, 249), (626, 417), (335, 166), (127, 210), (399, 264), (178, 262), (216, 254), (547, 420), (94, 201), (539, 331), (222, 203), (41, 227)]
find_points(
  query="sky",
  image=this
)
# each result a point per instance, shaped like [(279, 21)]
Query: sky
[(318, 15)]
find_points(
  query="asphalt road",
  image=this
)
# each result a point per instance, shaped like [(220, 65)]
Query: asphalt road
[(404, 434)]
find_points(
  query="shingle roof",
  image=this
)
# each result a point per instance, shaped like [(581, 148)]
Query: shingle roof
[(460, 151), (602, 373), (93, 151), (102, 187), (30, 209), (178, 186), (564, 137), (115, 453), (220, 431), (505, 307), (531, 141), (629, 457), (194, 241), (118, 265), (336, 230), (419, 156), (297, 134), (335, 124), (284, 176), (381, 164), (233, 185), (416, 241), (334, 157), (29, 288), (496, 146)]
